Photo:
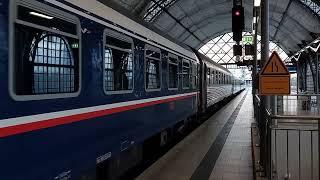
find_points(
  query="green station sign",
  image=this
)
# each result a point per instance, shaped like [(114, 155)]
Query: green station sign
[(247, 39)]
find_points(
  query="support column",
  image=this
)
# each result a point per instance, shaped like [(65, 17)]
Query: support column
[(265, 100), (298, 76), (255, 55), (317, 73), (265, 41), (317, 69)]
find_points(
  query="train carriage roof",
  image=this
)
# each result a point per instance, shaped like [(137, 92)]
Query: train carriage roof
[(123, 23)]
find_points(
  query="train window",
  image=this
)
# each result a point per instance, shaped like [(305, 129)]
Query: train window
[(212, 77), (118, 63), (208, 76), (185, 74), (221, 78), (224, 79), (46, 53), (194, 74), (217, 77), (173, 71), (152, 67)]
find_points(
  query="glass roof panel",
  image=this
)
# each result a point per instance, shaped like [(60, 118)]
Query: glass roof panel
[(154, 9), (221, 51), (312, 5)]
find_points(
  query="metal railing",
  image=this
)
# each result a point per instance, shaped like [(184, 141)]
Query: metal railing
[(289, 139)]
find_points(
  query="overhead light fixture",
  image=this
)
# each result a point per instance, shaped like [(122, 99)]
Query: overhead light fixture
[(40, 15), (257, 3)]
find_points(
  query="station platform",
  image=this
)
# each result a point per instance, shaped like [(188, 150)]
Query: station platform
[(218, 149)]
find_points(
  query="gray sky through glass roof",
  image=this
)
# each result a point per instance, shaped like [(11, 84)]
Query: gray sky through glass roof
[(220, 49)]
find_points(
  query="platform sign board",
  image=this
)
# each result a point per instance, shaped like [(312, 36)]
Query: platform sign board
[(274, 79), (247, 39)]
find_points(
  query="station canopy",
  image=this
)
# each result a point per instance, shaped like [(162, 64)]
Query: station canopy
[(293, 23)]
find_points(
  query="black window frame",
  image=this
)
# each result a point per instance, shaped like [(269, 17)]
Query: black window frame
[(208, 76), (217, 77), (15, 20), (159, 60), (194, 75), (122, 38), (213, 76), (176, 64), (185, 61)]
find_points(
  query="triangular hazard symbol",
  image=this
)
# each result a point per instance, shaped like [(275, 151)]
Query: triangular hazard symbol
[(275, 66)]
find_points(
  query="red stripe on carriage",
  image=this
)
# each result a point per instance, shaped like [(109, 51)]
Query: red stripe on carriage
[(21, 128)]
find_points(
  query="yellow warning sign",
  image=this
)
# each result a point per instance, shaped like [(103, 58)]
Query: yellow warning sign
[(274, 78), (275, 66)]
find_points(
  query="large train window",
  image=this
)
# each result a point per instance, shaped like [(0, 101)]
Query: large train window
[(152, 68), (118, 63), (173, 72), (46, 56), (185, 74)]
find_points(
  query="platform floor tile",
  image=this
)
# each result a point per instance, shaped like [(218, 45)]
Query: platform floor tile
[(235, 160)]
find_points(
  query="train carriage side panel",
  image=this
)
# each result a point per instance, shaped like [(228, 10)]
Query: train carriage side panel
[(4, 48)]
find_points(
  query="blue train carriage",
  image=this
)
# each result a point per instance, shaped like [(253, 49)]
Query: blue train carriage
[(82, 87)]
